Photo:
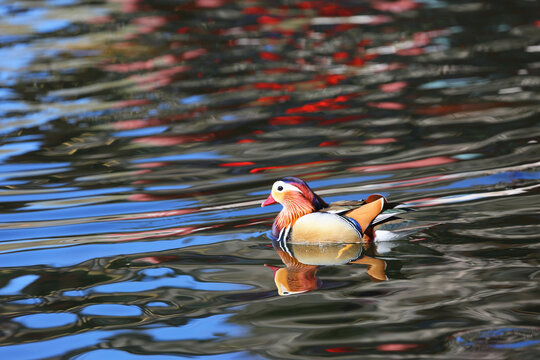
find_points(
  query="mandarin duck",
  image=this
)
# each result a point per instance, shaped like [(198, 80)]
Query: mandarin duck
[(307, 218)]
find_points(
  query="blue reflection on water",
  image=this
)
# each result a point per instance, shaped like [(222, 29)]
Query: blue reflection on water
[(9, 150), (112, 310), (198, 329), (157, 272), (212, 327), (506, 177), (207, 155), (180, 281), (155, 278), (10, 168), (141, 132), (453, 83), (167, 187), (29, 301), (101, 209), (46, 320), (157, 304), (503, 338), (114, 354), (30, 173), (72, 255), (14, 57), (9, 106), (16, 285), (39, 20), (500, 178), (64, 193), (61, 2), (193, 99), (516, 345)]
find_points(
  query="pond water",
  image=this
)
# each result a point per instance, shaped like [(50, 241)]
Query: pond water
[(138, 139)]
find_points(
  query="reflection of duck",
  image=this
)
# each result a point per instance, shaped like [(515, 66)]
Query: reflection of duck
[(306, 218), (303, 260)]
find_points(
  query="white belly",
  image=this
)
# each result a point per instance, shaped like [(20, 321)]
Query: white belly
[(320, 227)]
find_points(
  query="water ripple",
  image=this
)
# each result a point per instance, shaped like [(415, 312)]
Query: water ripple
[(138, 140)]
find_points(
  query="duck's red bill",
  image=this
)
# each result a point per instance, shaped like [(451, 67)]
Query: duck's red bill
[(269, 201)]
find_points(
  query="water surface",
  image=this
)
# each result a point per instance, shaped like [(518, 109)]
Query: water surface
[(138, 139)]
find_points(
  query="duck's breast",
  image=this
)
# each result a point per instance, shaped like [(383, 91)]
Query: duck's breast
[(321, 227)]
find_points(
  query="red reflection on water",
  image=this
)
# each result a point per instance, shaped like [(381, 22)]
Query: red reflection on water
[(340, 56), (193, 54), (209, 3), (158, 214), (330, 143), (128, 103), (396, 347), (273, 99), (331, 9), (273, 86), (357, 61), (326, 104), (143, 65), (158, 78), (236, 164), (411, 52), (156, 259), (152, 164), (174, 139), (269, 56), (152, 234), (395, 6), (260, 169), (278, 70), (393, 87), (379, 141), (341, 349), (266, 20), (387, 105), (332, 79), (291, 120), (142, 123), (255, 10), (437, 160), (342, 119), (150, 23)]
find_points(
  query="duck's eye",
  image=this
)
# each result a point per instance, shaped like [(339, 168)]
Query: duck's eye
[(280, 188)]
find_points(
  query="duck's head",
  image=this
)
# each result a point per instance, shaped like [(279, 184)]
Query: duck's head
[(292, 192), (297, 199)]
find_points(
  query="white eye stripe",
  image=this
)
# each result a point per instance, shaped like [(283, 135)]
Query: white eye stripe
[(283, 186)]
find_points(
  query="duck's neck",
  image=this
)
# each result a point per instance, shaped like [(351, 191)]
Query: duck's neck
[(291, 212)]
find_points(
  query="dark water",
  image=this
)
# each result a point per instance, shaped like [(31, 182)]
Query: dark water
[(138, 139)]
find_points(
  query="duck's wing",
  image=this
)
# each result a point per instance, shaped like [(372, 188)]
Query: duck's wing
[(342, 207), (389, 214), (367, 213)]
